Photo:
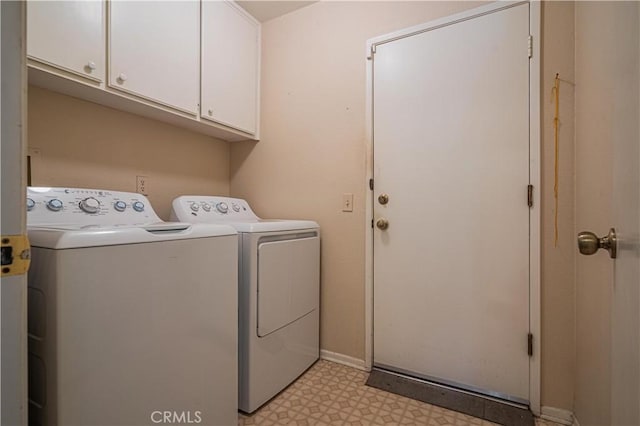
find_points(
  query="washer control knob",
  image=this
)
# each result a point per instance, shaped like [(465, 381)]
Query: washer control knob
[(195, 207), (54, 205), (235, 207), (30, 204), (120, 206), (138, 206), (222, 207), (206, 207), (90, 205)]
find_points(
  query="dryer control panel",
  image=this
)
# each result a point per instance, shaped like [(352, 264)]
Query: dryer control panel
[(205, 208), (47, 206)]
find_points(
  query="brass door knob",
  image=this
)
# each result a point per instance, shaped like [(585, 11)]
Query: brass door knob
[(383, 199), (589, 243), (382, 223)]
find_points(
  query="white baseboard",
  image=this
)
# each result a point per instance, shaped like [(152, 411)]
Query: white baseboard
[(558, 415), (343, 359)]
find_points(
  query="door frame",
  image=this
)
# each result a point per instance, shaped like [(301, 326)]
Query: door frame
[(534, 176), (13, 288)]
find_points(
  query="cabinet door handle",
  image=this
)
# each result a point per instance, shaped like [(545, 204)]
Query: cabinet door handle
[(122, 78), (91, 66)]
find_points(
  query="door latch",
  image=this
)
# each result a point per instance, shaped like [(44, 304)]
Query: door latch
[(16, 255)]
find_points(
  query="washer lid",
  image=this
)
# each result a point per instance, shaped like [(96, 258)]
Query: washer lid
[(78, 236)]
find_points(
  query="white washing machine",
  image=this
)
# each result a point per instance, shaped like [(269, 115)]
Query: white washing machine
[(132, 320), (279, 281)]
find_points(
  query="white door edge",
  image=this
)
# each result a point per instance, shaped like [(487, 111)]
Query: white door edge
[(534, 179), (535, 243)]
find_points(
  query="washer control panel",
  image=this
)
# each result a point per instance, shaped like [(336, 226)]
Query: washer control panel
[(211, 208), (46, 206)]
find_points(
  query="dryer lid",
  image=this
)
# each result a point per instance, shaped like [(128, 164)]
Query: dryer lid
[(273, 225)]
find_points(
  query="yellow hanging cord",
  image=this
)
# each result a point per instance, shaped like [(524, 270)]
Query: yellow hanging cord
[(556, 124)]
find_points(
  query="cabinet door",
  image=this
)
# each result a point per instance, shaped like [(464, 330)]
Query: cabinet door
[(68, 35), (154, 51), (230, 66)]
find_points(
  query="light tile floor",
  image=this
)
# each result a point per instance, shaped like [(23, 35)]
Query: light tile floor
[(334, 394)]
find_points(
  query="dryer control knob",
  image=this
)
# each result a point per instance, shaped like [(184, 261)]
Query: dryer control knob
[(206, 207), (90, 205), (54, 205), (235, 207), (138, 206), (120, 206), (30, 204), (222, 207), (195, 207)]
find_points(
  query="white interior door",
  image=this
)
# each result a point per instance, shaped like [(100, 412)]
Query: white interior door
[(607, 196), (451, 151), (622, 41)]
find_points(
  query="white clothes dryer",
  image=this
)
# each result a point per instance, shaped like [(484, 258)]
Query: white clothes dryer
[(279, 282), (131, 320)]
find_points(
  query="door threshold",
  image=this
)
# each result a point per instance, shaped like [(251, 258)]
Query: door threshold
[(480, 406)]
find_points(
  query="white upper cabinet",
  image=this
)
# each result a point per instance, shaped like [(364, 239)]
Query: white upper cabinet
[(154, 51), (230, 66), (191, 63), (68, 35)]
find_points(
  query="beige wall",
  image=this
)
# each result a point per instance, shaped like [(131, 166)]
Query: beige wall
[(312, 147), (313, 150), (87, 145), (558, 278)]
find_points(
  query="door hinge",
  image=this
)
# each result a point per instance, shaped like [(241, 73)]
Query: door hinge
[(530, 344), (373, 52), (16, 255), (530, 195), (371, 184), (372, 223), (530, 46)]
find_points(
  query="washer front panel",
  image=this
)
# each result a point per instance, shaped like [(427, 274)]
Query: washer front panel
[(288, 282)]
